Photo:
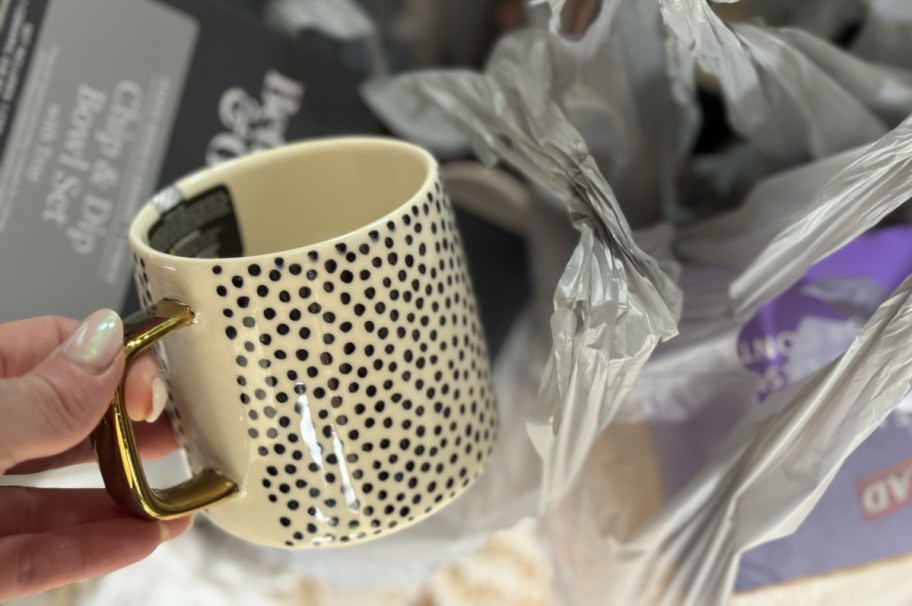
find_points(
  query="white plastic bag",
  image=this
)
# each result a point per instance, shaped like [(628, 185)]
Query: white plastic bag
[(618, 540)]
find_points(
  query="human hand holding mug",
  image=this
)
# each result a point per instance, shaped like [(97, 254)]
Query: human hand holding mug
[(329, 377)]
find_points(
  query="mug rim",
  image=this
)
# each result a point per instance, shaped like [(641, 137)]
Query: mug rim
[(148, 214)]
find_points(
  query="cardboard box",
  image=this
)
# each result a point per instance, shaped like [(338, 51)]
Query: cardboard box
[(102, 102)]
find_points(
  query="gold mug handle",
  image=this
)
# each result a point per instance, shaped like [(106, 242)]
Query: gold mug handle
[(115, 445)]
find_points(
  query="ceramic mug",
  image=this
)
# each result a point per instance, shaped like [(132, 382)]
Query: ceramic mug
[(327, 371)]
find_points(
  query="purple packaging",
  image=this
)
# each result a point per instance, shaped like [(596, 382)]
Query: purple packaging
[(866, 513)]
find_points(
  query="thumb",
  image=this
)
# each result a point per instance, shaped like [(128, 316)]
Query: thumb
[(56, 405)]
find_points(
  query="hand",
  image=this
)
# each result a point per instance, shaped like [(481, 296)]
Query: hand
[(57, 378)]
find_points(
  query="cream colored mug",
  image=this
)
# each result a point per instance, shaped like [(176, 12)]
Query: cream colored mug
[(327, 371)]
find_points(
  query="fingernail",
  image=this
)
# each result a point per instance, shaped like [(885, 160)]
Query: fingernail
[(96, 342), (165, 531), (165, 528), (159, 398)]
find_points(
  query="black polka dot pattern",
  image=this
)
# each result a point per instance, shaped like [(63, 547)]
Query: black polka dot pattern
[(362, 373)]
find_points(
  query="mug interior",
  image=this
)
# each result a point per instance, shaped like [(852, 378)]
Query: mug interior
[(308, 193)]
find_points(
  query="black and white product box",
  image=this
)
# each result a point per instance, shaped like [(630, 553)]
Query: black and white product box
[(102, 102)]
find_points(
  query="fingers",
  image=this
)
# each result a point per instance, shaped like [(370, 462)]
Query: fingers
[(27, 510), (155, 440), (138, 388), (39, 561), (56, 405), (25, 343)]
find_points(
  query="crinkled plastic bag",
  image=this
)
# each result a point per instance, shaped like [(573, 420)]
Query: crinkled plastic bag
[(613, 304), (616, 542), (790, 96)]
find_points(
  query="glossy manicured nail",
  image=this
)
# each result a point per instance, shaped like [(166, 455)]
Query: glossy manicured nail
[(159, 398), (96, 342)]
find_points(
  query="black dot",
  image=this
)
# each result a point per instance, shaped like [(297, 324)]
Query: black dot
[(243, 302), (262, 290), (285, 521), (231, 332), (275, 275), (311, 274)]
